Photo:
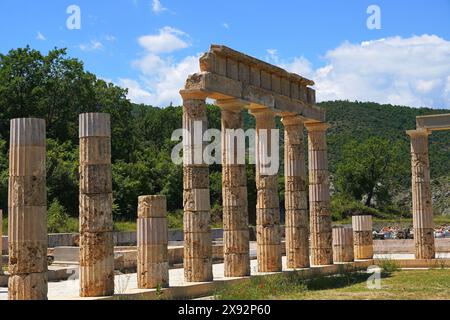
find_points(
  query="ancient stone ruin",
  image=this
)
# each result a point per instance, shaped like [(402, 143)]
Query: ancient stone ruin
[(236, 82), (421, 188)]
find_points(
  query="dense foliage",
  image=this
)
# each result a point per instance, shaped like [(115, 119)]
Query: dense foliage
[(368, 147)]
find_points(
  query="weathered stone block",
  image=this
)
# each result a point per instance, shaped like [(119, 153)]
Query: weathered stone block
[(196, 200), (96, 212), (31, 286), (27, 191), (95, 179)]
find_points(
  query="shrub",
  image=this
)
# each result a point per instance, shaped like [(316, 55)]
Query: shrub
[(58, 220)]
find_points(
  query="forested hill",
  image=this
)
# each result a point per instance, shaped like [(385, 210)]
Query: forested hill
[(362, 120)]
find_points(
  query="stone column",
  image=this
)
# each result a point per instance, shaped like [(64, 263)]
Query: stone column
[(362, 237), (421, 195), (342, 244), (319, 195), (196, 202), (236, 235), (268, 236), (296, 198), (152, 241), (27, 207), (96, 223)]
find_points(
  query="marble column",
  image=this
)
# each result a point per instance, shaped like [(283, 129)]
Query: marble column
[(196, 194), (152, 242), (421, 195), (236, 235), (27, 210), (319, 195), (268, 236), (343, 244), (296, 198), (96, 222)]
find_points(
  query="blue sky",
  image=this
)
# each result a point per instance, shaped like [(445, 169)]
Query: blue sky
[(150, 46)]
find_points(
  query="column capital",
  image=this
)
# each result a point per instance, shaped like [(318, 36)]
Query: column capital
[(292, 120), (231, 104), (317, 126), (418, 132), (193, 94)]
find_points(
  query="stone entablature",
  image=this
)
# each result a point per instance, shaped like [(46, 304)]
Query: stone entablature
[(229, 74)]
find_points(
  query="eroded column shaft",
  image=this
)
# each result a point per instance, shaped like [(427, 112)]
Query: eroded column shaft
[(319, 196), (152, 241), (234, 193), (296, 198), (197, 215), (268, 236), (362, 237), (343, 244), (96, 222), (421, 196), (27, 206)]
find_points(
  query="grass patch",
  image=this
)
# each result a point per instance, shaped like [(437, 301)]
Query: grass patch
[(433, 284)]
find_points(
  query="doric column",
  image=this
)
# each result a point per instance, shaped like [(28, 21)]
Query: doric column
[(197, 209), (421, 195), (234, 191), (342, 244), (362, 237), (96, 223), (152, 241), (27, 211), (319, 195), (296, 198), (268, 236)]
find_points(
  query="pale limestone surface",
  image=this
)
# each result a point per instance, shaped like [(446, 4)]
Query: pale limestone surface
[(96, 224), (296, 197), (319, 196), (27, 203), (196, 203), (421, 195), (236, 235), (268, 233), (152, 242)]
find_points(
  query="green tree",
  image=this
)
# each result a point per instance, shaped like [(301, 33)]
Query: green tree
[(369, 171)]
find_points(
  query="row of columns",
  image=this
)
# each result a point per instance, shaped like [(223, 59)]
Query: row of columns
[(234, 189), (27, 207)]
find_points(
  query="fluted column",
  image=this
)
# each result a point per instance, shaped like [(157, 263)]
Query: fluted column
[(96, 223), (152, 241), (197, 209), (27, 211), (268, 236), (319, 195), (342, 244), (296, 198), (421, 195), (362, 237), (236, 235)]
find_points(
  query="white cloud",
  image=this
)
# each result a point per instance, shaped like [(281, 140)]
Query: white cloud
[(93, 45), (135, 92), (157, 6), (226, 25), (167, 40), (161, 75), (411, 71), (40, 36)]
